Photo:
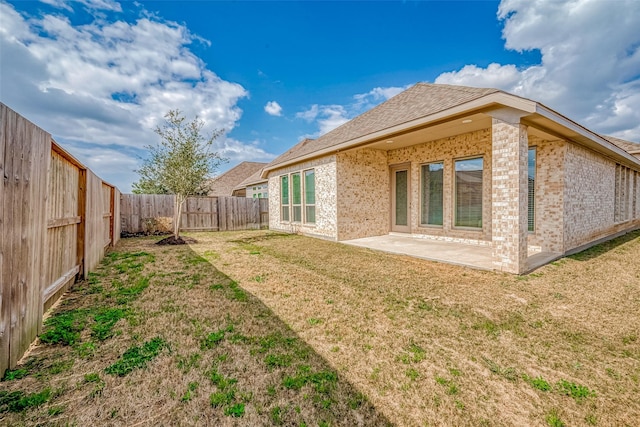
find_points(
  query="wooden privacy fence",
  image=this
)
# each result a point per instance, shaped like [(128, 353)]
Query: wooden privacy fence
[(148, 213), (56, 219)]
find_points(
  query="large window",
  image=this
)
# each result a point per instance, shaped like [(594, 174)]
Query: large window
[(284, 197), (531, 174), (296, 196), (309, 196), (432, 180), (468, 193)]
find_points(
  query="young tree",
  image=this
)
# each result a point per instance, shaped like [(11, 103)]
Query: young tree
[(180, 163)]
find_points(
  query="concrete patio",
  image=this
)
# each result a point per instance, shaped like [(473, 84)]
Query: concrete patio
[(463, 254)]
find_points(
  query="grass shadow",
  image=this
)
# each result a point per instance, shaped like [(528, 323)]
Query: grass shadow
[(602, 248), (158, 327)]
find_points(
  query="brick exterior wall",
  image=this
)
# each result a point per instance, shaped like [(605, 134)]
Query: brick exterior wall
[(363, 194), (574, 199), (589, 198), (447, 150), (548, 231), (509, 196), (326, 200)]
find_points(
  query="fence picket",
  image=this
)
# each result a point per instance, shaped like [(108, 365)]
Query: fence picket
[(138, 212)]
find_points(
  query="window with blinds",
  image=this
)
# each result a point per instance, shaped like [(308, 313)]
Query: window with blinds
[(310, 196), (284, 198), (296, 197), (468, 192), (531, 196), (432, 194)]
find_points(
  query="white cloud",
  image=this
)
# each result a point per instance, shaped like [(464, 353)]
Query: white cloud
[(310, 114), (237, 151), (332, 116), (273, 108), (109, 82), (366, 101), (590, 67), (329, 117)]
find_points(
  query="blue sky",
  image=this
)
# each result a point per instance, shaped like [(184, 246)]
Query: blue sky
[(100, 74)]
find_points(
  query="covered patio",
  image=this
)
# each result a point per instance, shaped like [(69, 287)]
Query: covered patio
[(464, 254)]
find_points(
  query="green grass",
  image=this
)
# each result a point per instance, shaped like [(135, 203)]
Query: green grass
[(538, 383), (17, 401), (576, 391), (222, 398), (64, 328), (136, 357), (237, 293), (215, 338), (105, 320), (553, 420), (321, 381), (413, 354), (15, 374), (236, 410), (274, 361), (191, 388)]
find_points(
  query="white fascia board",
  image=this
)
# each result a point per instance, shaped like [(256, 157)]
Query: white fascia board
[(582, 131)]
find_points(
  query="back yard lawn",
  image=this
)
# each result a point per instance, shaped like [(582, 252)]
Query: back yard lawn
[(259, 328)]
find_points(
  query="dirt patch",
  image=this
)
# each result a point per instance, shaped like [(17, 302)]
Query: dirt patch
[(173, 240)]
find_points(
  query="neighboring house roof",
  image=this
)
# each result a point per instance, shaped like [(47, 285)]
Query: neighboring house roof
[(254, 179), (223, 185), (628, 146), (426, 103)]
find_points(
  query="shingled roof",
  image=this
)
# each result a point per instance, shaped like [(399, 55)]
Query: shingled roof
[(255, 178), (223, 185), (628, 146), (418, 101)]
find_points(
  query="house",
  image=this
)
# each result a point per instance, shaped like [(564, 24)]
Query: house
[(226, 183), (254, 187), (461, 164)]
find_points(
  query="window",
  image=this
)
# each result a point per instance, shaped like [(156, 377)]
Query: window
[(296, 196), (255, 195), (531, 178), (310, 196), (468, 192), (622, 199), (284, 199), (432, 194), (302, 186)]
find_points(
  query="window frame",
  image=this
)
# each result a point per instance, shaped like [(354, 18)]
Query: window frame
[(423, 194), (304, 196), (284, 206), (455, 194), (290, 207), (295, 205), (531, 219)]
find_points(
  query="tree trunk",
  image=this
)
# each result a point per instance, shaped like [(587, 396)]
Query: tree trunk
[(178, 215)]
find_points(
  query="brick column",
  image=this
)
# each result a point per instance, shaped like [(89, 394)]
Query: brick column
[(509, 195)]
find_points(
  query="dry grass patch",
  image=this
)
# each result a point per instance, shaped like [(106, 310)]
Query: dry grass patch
[(159, 336), (436, 344), (260, 328)]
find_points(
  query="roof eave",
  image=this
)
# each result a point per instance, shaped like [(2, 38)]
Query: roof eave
[(588, 137), (486, 101)]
